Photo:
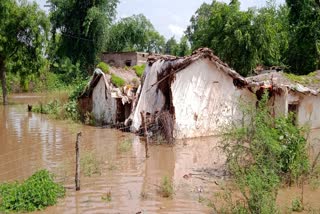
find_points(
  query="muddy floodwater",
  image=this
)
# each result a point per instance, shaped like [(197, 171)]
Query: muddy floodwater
[(125, 182)]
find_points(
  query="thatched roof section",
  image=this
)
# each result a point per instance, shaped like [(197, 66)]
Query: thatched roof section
[(175, 64), (303, 84)]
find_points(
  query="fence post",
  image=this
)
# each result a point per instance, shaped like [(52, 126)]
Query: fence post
[(77, 177), (144, 124)]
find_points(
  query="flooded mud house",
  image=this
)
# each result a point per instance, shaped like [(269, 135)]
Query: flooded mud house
[(104, 101), (123, 59), (289, 93), (190, 97)]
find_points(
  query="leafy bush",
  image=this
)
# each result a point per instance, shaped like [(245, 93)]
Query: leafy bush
[(263, 152), (297, 205), (52, 108), (78, 89), (166, 188), (104, 67), (35, 193), (58, 110), (139, 69), (117, 81)]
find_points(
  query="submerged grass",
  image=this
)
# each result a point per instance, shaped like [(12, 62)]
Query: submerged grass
[(125, 146), (166, 187), (89, 164), (36, 193)]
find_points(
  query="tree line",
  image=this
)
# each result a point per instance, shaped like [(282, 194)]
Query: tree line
[(69, 41), (287, 35)]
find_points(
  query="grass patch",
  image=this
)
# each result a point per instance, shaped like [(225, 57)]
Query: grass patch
[(297, 205), (107, 197), (89, 164), (58, 110), (125, 146), (104, 67), (117, 81), (303, 79), (139, 69), (36, 193), (166, 187)]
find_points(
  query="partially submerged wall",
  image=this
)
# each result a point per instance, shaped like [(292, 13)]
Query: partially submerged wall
[(205, 100)]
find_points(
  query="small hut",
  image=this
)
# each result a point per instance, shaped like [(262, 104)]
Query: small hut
[(290, 93), (108, 98), (191, 96)]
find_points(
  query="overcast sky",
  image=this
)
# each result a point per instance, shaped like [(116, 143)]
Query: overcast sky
[(169, 17)]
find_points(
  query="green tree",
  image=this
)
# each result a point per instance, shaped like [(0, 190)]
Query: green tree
[(134, 33), (171, 47), (304, 39), (23, 33), (183, 47), (83, 26), (243, 39)]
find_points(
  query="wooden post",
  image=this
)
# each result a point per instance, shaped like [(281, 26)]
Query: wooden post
[(77, 177), (144, 124)]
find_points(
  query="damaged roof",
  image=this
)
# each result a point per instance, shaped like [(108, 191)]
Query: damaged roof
[(303, 84), (128, 75), (179, 63)]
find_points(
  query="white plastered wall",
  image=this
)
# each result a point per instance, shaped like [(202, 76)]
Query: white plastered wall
[(104, 106), (205, 100), (309, 111)]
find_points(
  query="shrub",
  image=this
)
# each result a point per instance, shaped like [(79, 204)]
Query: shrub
[(104, 67), (297, 205), (139, 69), (78, 89), (166, 187), (263, 152), (117, 81), (35, 193)]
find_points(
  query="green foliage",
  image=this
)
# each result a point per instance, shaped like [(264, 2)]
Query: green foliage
[(303, 79), (171, 47), (78, 89), (297, 205), (89, 164), (134, 33), (59, 110), (139, 69), (82, 27), (166, 187), (23, 35), (183, 48), (52, 108), (263, 152), (117, 81), (243, 39), (36, 193), (304, 37), (104, 67)]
